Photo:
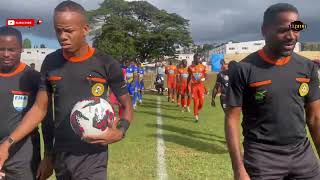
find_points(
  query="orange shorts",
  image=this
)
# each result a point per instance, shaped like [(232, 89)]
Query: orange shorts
[(183, 88), (171, 85)]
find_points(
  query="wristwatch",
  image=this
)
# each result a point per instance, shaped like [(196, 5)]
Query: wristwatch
[(10, 140)]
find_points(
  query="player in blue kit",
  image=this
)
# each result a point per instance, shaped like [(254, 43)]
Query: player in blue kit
[(141, 82), (133, 82)]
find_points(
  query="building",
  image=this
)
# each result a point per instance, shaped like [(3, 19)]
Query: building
[(35, 55), (188, 57), (243, 47)]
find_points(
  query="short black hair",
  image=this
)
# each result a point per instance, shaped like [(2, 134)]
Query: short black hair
[(222, 62), (196, 55), (71, 6), (10, 31), (272, 11)]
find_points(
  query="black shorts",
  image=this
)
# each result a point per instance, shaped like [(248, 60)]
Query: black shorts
[(78, 166), (223, 103), (292, 162), (23, 160)]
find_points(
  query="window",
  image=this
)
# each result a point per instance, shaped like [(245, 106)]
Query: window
[(43, 52), (244, 48), (257, 44), (28, 52), (231, 48)]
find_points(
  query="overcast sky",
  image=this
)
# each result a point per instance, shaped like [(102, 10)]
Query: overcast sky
[(210, 20)]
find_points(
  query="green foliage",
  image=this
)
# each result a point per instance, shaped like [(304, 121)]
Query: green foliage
[(26, 43), (138, 29)]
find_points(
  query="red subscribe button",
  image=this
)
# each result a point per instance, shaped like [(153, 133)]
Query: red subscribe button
[(20, 22)]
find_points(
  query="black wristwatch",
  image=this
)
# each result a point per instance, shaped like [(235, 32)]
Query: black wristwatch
[(123, 126)]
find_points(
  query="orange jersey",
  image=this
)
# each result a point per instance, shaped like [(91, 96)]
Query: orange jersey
[(197, 73), (171, 72), (183, 75)]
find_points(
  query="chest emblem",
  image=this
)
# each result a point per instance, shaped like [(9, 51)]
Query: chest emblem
[(97, 89), (260, 96), (304, 89), (20, 102)]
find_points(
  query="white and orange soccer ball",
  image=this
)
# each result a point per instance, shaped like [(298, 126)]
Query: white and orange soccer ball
[(91, 116)]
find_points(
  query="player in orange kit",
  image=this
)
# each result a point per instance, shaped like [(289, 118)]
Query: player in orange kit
[(197, 75), (171, 71), (183, 77), (178, 84)]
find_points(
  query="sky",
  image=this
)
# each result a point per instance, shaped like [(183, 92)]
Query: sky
[(210, 20)]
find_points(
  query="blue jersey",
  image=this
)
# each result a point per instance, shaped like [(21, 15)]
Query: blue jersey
[(141, 73), (131, 72)]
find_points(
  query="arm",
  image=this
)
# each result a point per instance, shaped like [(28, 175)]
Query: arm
[(237, 87), (29, 122), (313, 122), (33, 117), (217, 87), (215, 91), (232, 133), (116, 132), (313, 108)]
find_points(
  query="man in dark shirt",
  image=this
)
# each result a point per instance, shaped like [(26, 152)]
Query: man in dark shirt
[(221, 86), (69, 75), (18, 89), (273, 88)]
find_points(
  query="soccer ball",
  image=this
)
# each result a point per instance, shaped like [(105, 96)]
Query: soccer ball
[(91, 116)]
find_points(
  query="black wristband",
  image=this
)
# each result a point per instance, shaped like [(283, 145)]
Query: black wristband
[(123, 125)]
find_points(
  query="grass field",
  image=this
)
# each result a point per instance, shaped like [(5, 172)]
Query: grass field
[(192, 150)]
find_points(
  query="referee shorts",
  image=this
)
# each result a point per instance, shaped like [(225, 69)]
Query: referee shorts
[(290, 162)]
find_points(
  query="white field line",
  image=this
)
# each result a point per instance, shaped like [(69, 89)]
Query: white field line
[(162, 170)]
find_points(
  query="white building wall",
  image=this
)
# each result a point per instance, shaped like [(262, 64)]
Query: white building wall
[(35, 55), (244, 47), (188, 57)]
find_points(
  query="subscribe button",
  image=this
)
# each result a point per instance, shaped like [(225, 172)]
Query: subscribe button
[(20, 22)]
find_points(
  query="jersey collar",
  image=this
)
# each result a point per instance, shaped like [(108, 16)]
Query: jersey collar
[(89, 54), (268, 59), (18, 70)]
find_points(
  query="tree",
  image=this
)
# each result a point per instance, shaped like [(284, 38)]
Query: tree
[(138, 29), (26, 43), (42, 46)]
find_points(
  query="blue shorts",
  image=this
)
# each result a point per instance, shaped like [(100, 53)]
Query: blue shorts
[(133, 87), (141, 85)]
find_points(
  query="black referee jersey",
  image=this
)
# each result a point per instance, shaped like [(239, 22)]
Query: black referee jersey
[(273, 96)]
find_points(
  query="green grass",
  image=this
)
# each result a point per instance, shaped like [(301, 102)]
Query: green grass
[(195, 150), (192, 150)]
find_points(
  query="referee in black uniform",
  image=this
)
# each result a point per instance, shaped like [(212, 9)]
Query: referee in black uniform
[(273, 88), (18, 89), (71, 74)]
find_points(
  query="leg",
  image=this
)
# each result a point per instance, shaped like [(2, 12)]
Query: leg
[(201, 97), (135, 99), (85, 166), (173, 92), (195, 101), (60, 166), (20, 165), (265, 162), (305, 164)]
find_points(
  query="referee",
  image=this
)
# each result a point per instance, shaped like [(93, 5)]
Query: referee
[(273, 88)]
